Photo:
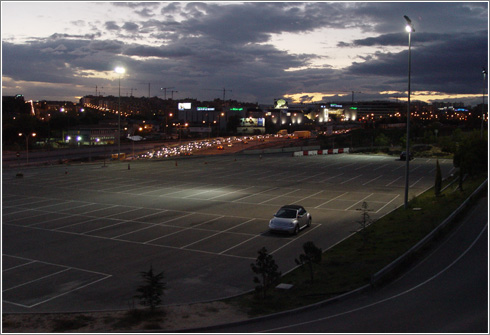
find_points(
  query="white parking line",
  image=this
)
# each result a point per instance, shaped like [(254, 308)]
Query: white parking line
[(282, 195), (311, 176), (150, 225), (251, 195), (223, 195), (300, 200), (183, 229), (346, 181), (202, 192), (382, 166), (326, 202), (294, 239), (324, 180), (347, 165), (392, 181), (219, 232), (102, 209), (37, 279), (182, 189), (358, 202), (372, 180), (415, 168), (401, 166), (417, 181), (364, 166), (17, 266), (65, 269), (388, 203), (238, 244)]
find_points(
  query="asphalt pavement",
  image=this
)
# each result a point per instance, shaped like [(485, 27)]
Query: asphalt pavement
[(446, 292), (76, 237)]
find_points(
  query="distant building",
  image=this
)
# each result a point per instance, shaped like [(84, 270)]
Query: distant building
[(90, 135)]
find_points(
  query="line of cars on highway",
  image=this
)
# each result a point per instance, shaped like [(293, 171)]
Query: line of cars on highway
[(188, 148)]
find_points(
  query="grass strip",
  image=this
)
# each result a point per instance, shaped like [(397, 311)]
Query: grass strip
[(351, 263)]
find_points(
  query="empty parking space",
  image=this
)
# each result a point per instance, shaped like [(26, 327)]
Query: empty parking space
[(91, 222), (28, 283)]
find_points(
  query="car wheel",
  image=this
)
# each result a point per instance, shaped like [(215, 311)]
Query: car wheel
[(309, 222), (296, 230)]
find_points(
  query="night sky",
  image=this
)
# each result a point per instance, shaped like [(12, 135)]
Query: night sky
[(257, 51)]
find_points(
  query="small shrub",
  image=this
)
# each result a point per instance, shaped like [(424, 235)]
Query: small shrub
[(267, 269), (311, 255), (152, 290)]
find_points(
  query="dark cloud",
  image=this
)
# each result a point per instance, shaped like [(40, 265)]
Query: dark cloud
[(111, 25), (451, 64), (197, 45), (130, 26)]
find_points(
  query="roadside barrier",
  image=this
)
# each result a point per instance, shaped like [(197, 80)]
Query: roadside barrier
[(321, 152), (375, 278)]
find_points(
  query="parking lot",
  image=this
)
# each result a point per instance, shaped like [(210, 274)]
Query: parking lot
[(77, 237)]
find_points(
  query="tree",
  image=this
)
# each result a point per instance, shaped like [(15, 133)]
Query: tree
[(312, 254), (152, 289), (267, 269), (365, 220), (438, 183), (381, 140), (471, 156)]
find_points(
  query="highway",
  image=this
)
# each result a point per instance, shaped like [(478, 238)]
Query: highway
[(447, 292)]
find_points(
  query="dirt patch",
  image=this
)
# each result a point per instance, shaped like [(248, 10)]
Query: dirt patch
[(178, 317)]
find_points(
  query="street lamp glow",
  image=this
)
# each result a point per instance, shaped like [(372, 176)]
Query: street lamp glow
[(409, 27)]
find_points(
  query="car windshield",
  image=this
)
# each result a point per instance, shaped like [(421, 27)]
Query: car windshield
[(286, 213)]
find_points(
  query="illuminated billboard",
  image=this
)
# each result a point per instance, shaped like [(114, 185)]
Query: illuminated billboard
[(184, 105), (280, 104), (252, 122)]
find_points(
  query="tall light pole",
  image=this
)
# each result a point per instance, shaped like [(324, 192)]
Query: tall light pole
[(409, 28), (27, 144), (120, 70), (484, 72)]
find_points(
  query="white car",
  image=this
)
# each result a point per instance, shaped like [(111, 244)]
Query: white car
[(290, 219)]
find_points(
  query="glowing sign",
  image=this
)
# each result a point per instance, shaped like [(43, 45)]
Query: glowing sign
[(252, 122), (239, 109), (335, 105), (280, 104), (205, 109), (184, 105)]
